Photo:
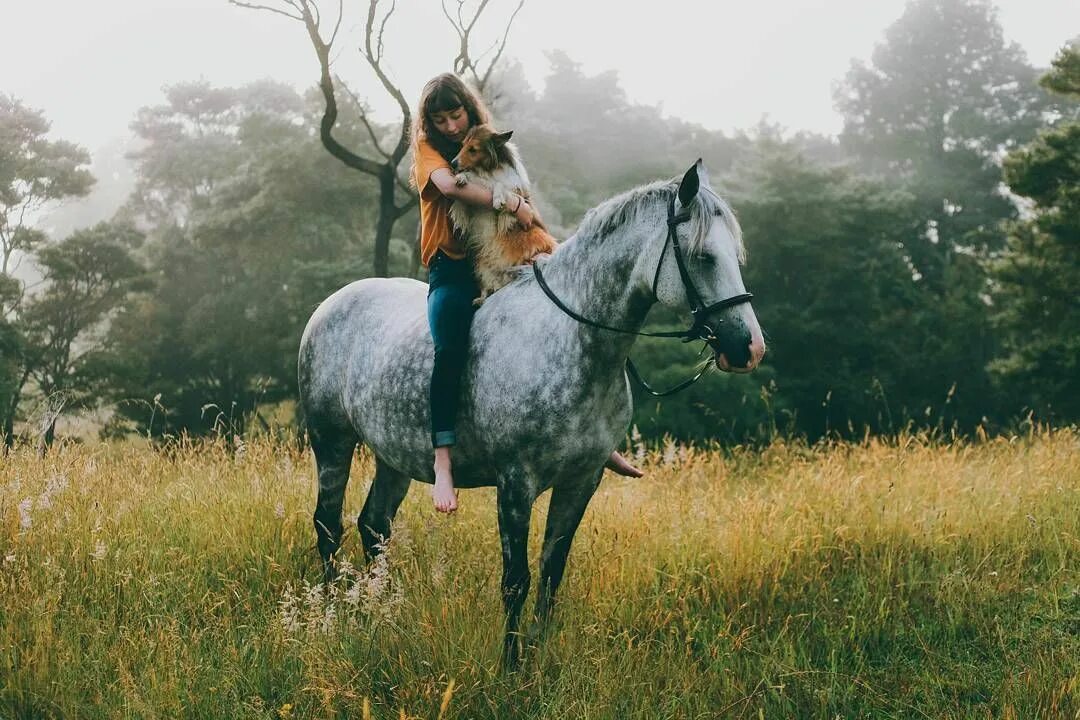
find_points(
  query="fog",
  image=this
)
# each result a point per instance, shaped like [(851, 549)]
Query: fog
[(723, 65)]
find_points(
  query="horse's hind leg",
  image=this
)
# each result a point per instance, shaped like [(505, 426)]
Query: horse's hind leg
[(388, 489), (333, 456), (515, 501)]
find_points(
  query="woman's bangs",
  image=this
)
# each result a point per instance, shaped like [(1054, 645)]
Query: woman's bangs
[(443, 100)]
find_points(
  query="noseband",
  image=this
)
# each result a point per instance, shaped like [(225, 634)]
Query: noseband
[(699, 329)]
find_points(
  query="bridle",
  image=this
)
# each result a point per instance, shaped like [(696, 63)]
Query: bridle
[(700, 328)]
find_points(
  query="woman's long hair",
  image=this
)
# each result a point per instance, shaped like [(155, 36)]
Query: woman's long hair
[(441, 94)]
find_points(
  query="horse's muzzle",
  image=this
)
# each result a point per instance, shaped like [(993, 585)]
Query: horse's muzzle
[(736, 349)]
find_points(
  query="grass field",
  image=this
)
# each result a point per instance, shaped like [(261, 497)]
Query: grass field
[(905, 578)]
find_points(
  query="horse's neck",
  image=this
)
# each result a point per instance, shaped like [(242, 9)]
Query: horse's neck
[(602, 281)]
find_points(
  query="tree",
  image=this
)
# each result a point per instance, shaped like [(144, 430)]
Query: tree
[(944, 95), (1038, 275), (11, 354), (834, 292), (87, 276), (387, 171), (34, 173), (239, 259)]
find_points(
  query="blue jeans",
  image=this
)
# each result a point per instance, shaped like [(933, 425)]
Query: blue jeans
[(451, 290)]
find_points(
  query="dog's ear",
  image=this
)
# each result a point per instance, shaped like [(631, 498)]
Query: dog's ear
[(502, 138)]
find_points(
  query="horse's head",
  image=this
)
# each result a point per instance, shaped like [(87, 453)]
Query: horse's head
[(697, 269)]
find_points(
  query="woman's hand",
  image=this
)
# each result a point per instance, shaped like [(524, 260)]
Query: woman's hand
[(524, 213)]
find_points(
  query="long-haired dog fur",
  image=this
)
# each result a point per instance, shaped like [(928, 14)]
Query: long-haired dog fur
[(496, 240)]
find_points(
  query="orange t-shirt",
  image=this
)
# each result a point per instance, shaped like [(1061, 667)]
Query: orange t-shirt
[(436, 232)]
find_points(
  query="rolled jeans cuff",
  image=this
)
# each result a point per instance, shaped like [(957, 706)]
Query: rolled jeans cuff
[(443, 438)]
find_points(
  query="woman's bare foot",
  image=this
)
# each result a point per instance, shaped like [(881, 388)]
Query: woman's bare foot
[(621, 465), (443, 493)]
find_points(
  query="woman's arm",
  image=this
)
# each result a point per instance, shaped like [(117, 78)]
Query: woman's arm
[(475, 194)]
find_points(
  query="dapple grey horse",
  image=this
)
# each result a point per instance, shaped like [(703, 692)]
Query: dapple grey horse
[(545, 398)]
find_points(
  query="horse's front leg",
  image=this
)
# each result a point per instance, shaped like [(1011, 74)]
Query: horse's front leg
[(515, 508), (568, 503)]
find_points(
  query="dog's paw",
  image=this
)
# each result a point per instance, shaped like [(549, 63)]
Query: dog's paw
[(477, 302), (461, 179)]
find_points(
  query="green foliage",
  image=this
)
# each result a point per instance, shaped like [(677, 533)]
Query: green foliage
[(254, 226), (87, 277), (943, 95), (1038, 274), (837, 298), (34, 173), (1064, 76)]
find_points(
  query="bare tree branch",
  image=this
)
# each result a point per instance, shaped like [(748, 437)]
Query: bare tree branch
[(382, 27), (362, 112), (254, 6), (464, 62), (373, 49), (337, 25), (374, 61), (410, 203), (502, 46)]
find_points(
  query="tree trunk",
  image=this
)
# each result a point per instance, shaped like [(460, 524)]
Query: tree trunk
[(9, 430), (11, 406), (46, 440), (388, 213), (414, 268)]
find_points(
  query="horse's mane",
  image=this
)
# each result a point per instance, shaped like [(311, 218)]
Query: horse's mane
[(629, 206)]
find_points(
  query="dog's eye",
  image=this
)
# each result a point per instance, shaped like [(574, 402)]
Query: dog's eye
[(472, 151)]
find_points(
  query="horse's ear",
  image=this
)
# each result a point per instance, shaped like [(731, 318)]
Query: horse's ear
[(502, 138), (691, 182)]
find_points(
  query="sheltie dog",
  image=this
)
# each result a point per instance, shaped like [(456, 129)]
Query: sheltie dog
[(496, 241)]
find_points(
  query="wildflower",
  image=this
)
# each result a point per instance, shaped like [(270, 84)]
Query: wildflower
[(329, 618), (24, 513), (670, 451), (8, 559), (56, 484), (100, 550), (289, 611), (639, 446), (314, 610), (279, 510)]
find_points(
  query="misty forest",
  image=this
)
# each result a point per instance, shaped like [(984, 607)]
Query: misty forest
[(917, 272)]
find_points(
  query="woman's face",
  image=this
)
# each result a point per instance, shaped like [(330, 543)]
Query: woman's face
[(453, 124)]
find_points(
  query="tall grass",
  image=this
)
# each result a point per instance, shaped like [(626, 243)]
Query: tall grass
[(892, 578)]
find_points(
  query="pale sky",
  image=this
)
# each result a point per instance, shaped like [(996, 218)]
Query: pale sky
[(89, 64)]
